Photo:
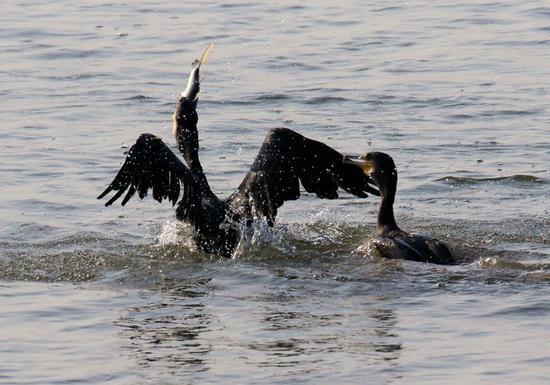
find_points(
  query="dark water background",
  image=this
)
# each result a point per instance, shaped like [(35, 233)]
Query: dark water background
[(457, 92)]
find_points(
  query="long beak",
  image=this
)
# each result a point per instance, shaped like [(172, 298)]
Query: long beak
[(193, 84), (365, 165)]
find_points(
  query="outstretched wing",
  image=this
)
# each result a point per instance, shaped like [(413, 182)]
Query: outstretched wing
[(150, 164), (287, 158)]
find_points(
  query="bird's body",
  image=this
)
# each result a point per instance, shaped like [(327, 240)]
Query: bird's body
[(390, 241), (398, 244), (286, 158)]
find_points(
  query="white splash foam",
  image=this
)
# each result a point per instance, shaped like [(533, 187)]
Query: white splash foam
[(367, 250), (176, 233), (259, 235)]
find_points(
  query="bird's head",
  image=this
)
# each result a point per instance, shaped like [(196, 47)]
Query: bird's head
[(378, 167)]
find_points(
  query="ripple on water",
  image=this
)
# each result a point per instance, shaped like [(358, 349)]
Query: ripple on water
[(142, 98), (438, 86), (519, 180), (326, 250)]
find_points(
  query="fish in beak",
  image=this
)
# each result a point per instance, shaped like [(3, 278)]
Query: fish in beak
[(193, 84)]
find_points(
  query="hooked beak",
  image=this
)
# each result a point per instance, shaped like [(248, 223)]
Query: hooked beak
[(193, 83), (366, 165)]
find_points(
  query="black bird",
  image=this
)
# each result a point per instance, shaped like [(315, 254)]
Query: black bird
[(390, 241), (285, 159)]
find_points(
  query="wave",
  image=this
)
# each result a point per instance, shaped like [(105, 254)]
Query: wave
[(513, 179), (267, 97), (141, 98)]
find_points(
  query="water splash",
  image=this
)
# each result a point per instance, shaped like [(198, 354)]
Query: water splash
[(259, 236), (367, 250), (176, 233)]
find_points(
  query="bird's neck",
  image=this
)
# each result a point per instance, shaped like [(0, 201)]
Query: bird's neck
[(386, 219), (187, 137)]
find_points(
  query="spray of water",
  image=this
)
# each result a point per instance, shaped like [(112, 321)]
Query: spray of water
[(258, 236), (175, 232)]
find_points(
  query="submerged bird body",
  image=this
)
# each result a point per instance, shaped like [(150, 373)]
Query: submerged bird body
[(402, 245), (286, 158), (390, 241)]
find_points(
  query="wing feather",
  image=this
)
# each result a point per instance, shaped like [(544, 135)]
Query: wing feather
[(288, 158), (150, 164)]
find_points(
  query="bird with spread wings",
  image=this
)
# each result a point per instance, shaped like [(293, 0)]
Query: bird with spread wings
[(286, 158)]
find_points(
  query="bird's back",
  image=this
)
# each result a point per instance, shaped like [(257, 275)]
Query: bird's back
[(412, 247)]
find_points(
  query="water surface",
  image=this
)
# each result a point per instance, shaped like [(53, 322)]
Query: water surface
[(457, 93)]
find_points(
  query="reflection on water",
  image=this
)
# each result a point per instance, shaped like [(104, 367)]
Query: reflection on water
[(184, 335), (167, 336), (217, 333)]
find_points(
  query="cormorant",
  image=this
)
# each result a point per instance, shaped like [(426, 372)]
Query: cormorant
[(390, 241), (285, 159)]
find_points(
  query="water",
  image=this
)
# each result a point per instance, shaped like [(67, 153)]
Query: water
[(456, 92)]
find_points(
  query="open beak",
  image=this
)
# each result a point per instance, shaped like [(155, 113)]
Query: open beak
[(365, 165), (193, 84)]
